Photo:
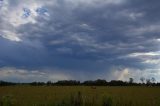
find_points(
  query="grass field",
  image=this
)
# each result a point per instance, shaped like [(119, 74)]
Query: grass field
[(79, 96)]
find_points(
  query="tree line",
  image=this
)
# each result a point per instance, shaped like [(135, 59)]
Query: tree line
[(98, 82)]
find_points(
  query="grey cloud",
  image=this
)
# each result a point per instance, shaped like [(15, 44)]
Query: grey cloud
[(86, 36), (23, 75)]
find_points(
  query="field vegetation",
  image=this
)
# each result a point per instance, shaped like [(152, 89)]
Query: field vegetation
[(27, 95)]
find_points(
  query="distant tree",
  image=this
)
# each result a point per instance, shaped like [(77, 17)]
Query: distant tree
[(153, 80), (131, 80), (4, 83), (148, 81), (37, 83), (142, 79), (117, 83), (49, 83), (67, 82), (89, 83), (100, 82)]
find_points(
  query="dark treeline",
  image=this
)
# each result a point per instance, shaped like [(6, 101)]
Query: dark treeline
[(4, 83), (98, 82)]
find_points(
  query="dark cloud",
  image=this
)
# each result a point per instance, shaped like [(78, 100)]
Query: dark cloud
[(86, 37)]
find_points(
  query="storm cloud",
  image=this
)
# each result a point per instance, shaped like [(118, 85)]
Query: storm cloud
[(87, 39)]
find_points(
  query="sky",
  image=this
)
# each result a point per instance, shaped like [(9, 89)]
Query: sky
[(42, 40)]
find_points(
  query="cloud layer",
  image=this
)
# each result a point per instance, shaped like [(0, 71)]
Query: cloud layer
[(87, 39)]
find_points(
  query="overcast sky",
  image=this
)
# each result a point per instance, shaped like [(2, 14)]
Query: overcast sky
[(43, 40)]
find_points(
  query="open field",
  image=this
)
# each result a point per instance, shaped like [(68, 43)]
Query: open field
[(79, 96)]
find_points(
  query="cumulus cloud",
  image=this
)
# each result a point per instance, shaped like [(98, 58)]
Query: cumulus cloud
[(11, 14), (125, 73), (10, 35)]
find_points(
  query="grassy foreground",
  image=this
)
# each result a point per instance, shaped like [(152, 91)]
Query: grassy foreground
[(79, 96)]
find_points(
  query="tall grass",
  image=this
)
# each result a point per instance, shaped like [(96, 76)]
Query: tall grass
[(79, 96), (75, 100), (6, 101), (107, 101)]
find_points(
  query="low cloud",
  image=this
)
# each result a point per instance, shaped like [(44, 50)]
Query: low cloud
[(23, 75), (124, 74)]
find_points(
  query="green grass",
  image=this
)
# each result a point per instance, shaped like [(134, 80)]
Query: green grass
[(79, 96)]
